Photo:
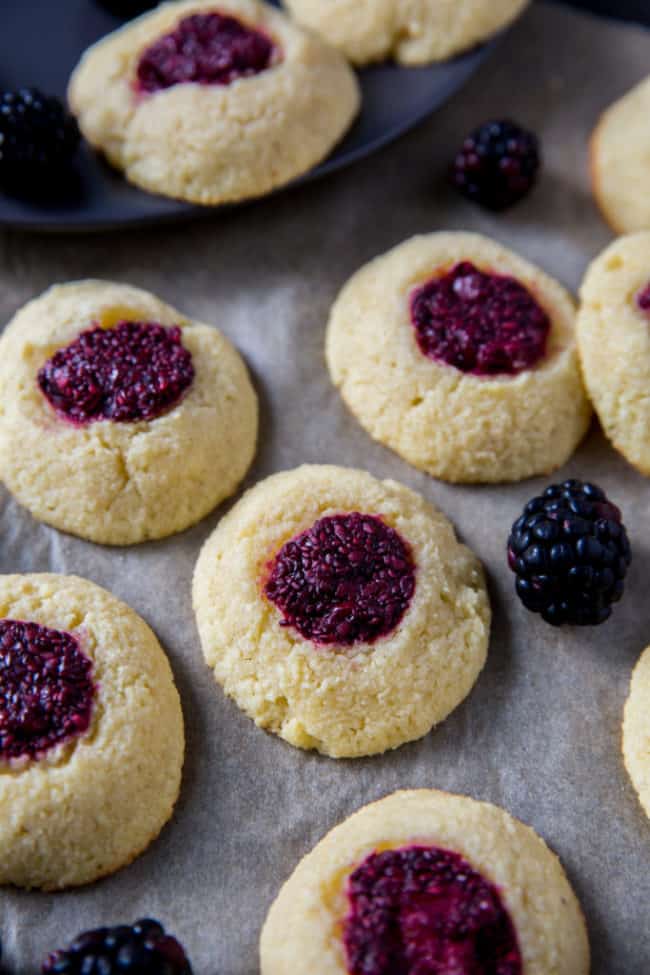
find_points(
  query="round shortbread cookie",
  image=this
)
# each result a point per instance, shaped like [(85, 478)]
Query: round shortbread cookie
[(424, 878), (614, 344), (120, 482), (340, 612), (277, 108), (636, 730), (470, 422), (620, 173), (411, 31), (91, 733)]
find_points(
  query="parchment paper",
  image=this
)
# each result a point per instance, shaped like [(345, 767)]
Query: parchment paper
[(540, 734)]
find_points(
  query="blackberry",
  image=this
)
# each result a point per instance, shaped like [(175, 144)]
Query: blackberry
[(570, 553), (497, 165), (38, 138), (141, 948)]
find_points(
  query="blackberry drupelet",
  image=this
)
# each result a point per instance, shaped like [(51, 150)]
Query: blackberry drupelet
[(570, 553), (497, 165), (142, 948), (38, 138)]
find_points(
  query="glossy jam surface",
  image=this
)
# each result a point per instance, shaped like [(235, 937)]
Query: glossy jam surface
[(425, 911), (348, 579), (208, 49), (479, 323), (134, 371), (643, 299), (46, 689)]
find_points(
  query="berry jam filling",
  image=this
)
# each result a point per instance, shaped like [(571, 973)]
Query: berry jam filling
[(425, 911), (46, 689), (643, 299), (480, 323), (135, 371), (348, 579), (209, 49)]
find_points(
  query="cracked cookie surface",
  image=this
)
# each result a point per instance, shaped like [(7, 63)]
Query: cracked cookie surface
[(214, 142), (614, 344), (354, 698), (121, 482), (456, 425), (93, 802), (413, 32), (305, 927)]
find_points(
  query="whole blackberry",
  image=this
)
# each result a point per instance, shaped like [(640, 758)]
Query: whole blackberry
[(497, 165), (141, 948), (570, 553), (38, 137)]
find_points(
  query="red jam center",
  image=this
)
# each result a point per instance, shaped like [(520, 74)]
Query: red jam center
[(485, 324), (209, 49), (425, 911), (643, 299), (46, 689), (135, 371), (348, 579)]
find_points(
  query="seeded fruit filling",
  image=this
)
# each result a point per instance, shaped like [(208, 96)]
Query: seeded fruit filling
[(209, 49), (348, 579), (135, 371), (425, 911), (46, 689), (485, 324), (643, 299)]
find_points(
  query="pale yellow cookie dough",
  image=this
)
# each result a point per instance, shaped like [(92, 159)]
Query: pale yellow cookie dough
[(215, 143), (454, 425), (90, 806), (614, 345), (412, 32), (342, 701), (620, 161), (636, 730), (120, 483), (303, 928)]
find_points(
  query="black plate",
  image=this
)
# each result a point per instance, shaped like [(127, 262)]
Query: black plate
[(638, 10), (40, 43)]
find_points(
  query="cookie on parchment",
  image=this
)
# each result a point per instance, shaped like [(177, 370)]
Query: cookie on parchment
[(414, 33), (340, 612), (461, 357), (120, 420), (429, 882), (614, 344), (620, 172), (213, 102), (91, 732), (636, 730)]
